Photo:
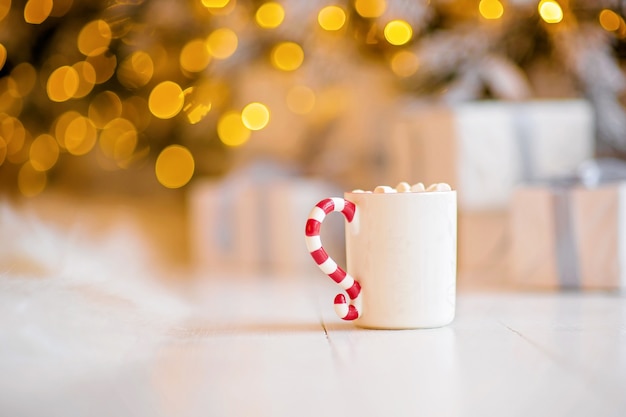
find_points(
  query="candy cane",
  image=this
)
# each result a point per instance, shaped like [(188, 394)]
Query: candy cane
[(326, 263)]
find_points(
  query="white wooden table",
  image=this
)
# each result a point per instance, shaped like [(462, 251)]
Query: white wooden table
[(273, 347)]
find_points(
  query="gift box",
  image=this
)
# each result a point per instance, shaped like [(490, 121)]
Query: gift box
[(252, 222), (484, 149), (568, 234), (484, 246)]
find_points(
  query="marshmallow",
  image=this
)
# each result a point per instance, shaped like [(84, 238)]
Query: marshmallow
[(384, 189), (418, 188), (403, 187), (442, 186)]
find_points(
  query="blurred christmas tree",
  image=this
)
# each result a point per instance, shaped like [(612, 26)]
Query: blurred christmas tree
[(150, 92)]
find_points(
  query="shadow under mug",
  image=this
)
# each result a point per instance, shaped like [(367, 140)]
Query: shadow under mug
[(401, 257)]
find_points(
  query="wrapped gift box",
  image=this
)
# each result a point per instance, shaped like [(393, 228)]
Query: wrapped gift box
[(484, 149), (569, 236), (253, 223), (484, 246)]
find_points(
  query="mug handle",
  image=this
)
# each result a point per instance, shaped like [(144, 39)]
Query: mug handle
[(325, 262)]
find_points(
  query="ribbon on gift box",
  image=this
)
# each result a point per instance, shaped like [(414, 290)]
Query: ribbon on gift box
[(590, 174)]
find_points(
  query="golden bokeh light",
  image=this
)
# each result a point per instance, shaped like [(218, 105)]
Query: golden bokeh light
[(197, 104), (80, 136), (610, 21), (255, 116), (3, 55), (136, 70), (287, 56), (103, 108), (166, 100), (135, 109), (13, 132), (30, 181), (491, 9), (270, 15), (398, 32), (370, 8), (104, 65), (222, 43), (25, 77), (44, 152), (331, 18), (10, 101), (174, 166), (61, 7), (37, 11), (404, 63), (5, 7), (59, 127), (195, 56), (216, 4), (94, 38), (86, 78), (62, 84), (550, 11), (118, 139), (300, 99), (231, 130)]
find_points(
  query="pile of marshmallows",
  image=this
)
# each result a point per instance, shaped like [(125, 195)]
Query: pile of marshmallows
[(405, 187)]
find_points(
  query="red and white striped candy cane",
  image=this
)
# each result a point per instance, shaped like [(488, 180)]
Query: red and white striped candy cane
[(327, 265)]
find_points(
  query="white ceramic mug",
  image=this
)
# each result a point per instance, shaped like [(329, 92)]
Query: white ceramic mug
[(401, 255)]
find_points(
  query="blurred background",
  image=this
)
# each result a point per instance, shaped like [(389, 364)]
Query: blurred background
[(205, 123)]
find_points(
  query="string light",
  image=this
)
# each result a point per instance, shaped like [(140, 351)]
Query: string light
[(331, 18), (166, 100), (222, 43), (370, 8), (398, 32), (270, 15), (231, 130), (80, 136), (37, 11), (195, 56), (86, 78), (174, 166), (44, 152), (94, 38), (3, 55), (136, 70), (609, 20), (215, 3), (550, 11), (255, 116), (287, 56), (30, 181), (92, 115), (491, 9), (104, 107), (404, 63), (62, 84), (612, 22)]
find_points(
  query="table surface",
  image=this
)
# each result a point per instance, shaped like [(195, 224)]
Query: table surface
[(263, 346)]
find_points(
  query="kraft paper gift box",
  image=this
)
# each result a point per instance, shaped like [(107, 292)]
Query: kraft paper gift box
[(484, 246), (249, 225), (483, 149), (569, 236)]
